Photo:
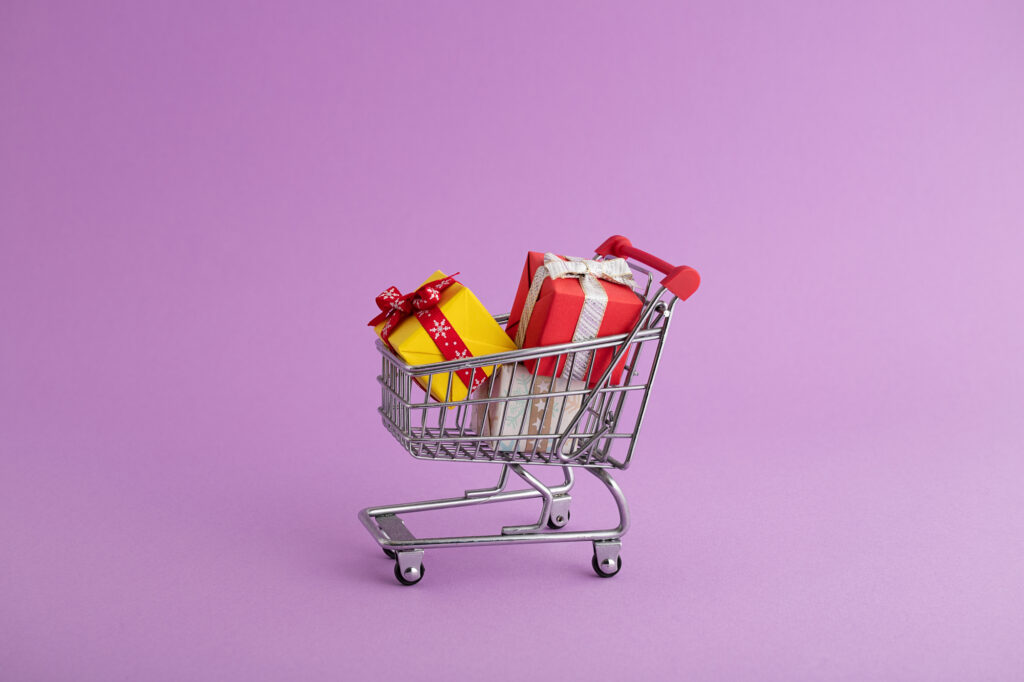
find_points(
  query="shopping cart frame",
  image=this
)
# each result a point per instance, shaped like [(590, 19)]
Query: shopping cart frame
[(587, 441)]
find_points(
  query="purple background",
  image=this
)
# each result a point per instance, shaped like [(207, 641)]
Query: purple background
[(199, 201)]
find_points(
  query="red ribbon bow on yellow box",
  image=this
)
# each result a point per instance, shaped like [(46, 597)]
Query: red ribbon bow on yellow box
[(395, 307), (450, 324)]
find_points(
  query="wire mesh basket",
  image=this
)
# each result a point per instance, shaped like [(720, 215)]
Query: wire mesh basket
[(588, 422), (520, 416)]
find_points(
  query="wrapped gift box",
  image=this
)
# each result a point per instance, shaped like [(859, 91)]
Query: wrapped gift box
[(559, 301), (537, 416), (463, 328)]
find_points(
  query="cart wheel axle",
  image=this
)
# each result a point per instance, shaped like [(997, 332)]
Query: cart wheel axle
[(410, 572), (559, 521), (409, 568), (560, 512), (606, 560), (612, 569)]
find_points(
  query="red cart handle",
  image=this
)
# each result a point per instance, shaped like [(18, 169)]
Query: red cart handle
[(681, 281)]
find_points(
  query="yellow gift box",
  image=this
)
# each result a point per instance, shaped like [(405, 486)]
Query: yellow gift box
[(470, 320)]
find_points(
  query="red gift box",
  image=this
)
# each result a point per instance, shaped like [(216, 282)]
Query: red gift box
[(557, 311)]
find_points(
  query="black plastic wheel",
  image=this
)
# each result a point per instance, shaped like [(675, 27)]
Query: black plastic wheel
[(555, 525), (402, 579), (602, 574), (390, 553)]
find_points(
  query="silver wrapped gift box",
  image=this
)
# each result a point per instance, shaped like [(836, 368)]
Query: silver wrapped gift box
[(548, 415)]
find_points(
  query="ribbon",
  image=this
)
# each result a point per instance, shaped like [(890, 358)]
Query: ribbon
[(396, 307), (595, 298)]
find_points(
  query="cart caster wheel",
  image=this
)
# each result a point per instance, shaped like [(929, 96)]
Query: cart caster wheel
[(389, 553), (412, 575), (604, 569), (556, 521)]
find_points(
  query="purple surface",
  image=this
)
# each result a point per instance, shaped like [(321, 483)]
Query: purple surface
[(198, 204)]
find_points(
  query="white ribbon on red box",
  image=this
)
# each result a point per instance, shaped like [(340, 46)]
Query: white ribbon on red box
[(595, 299)]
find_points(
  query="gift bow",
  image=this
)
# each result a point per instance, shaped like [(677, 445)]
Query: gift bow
[(612, 270), (595, 298), (395, 307)]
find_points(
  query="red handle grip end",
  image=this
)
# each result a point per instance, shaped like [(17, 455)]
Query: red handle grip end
[(681, 281)]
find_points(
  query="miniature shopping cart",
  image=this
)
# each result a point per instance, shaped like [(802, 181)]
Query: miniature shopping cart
[(600, 435)]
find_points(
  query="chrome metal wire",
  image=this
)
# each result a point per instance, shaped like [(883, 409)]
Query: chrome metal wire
[(599, 434)]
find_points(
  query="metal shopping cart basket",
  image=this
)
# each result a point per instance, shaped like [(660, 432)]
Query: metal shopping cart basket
[(600, 436)]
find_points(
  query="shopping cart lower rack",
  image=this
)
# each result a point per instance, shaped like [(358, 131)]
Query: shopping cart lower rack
[(600, 436)]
